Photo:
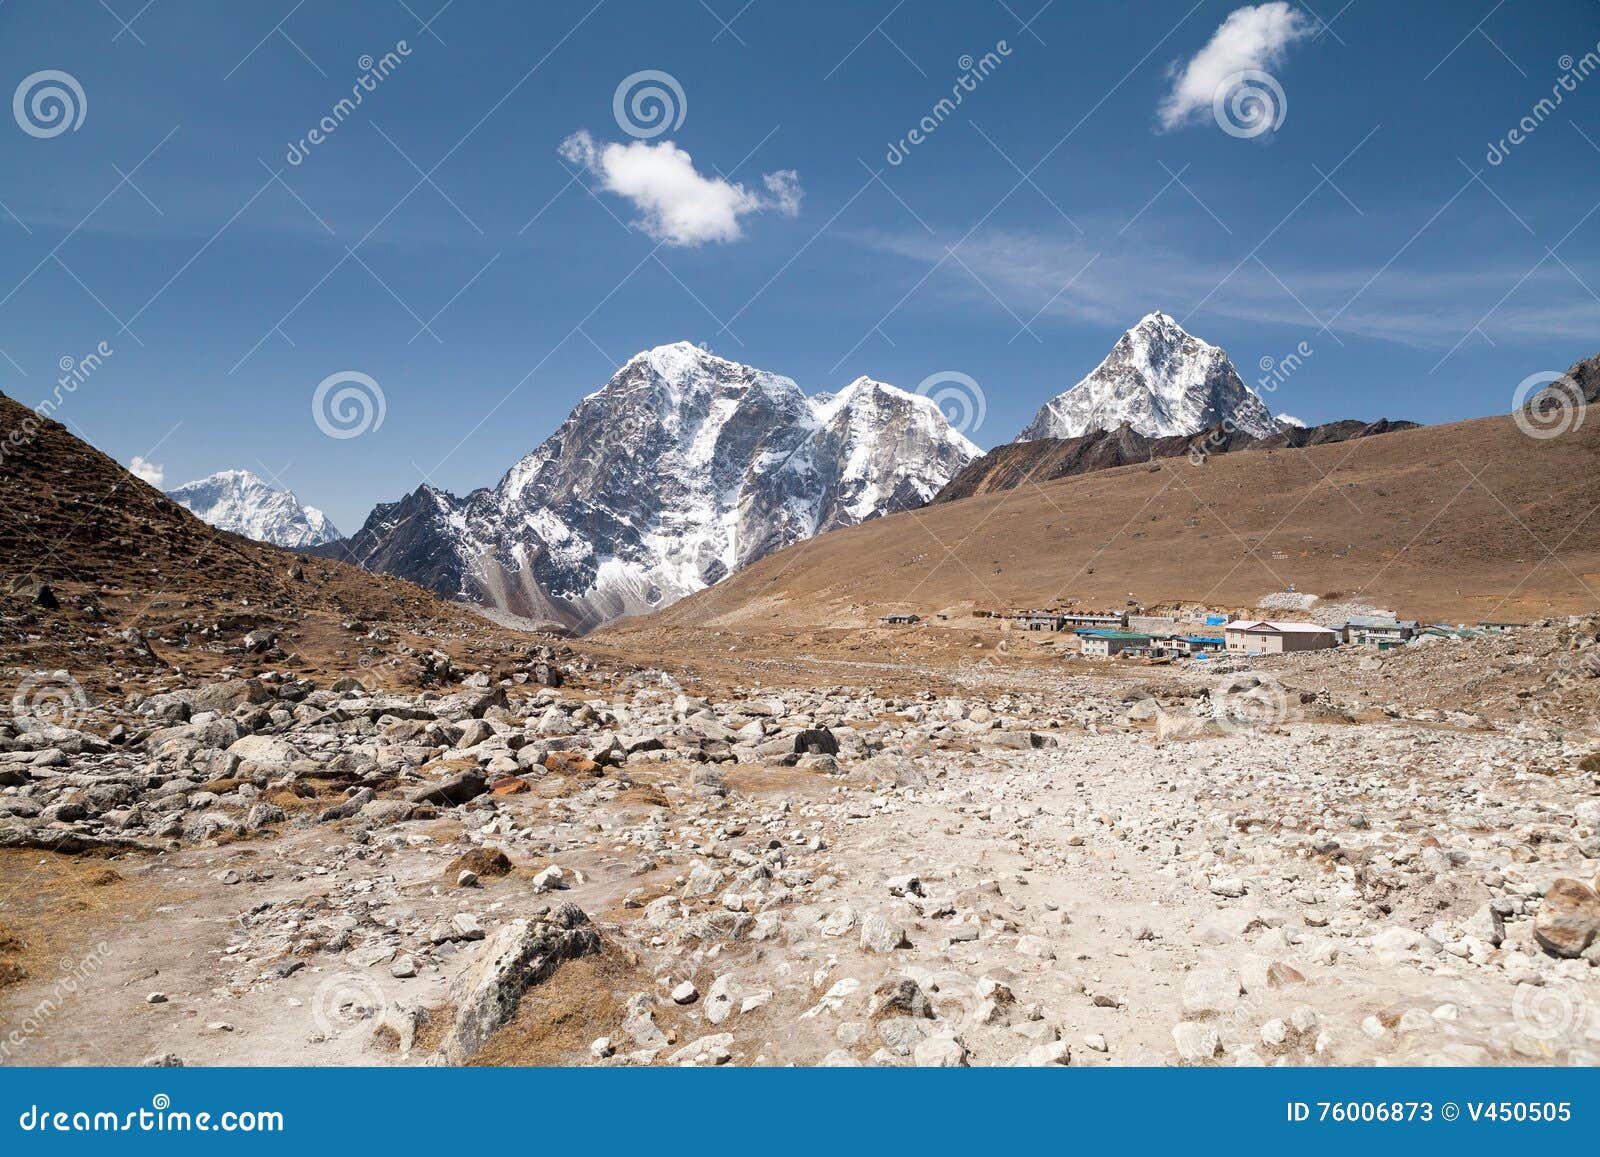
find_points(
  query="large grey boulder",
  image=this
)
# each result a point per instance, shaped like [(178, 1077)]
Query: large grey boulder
[(520, 955), (457, 789), (218, 732), (264, 751)]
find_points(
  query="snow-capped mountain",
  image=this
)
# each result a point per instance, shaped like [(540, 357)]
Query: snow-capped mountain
[(239, 501), (1160, 380), (683, 468)]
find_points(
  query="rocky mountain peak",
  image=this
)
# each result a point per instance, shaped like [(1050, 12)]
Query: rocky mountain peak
[(243, 503), (1160, 380), (681, 469)]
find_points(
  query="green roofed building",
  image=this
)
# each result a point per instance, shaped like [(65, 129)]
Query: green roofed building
[(1105, 644)]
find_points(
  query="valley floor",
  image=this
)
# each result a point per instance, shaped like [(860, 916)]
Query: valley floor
[(1038, 868)]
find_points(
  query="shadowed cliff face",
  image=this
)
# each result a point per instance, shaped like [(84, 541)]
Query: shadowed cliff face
[(1040, 460)]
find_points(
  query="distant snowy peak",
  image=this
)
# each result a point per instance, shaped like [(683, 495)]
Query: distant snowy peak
[(1160, 380), (239, 501)]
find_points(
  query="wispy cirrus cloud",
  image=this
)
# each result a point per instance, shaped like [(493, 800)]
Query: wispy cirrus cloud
[(1255, 38), (677, 204), (1081, 279)]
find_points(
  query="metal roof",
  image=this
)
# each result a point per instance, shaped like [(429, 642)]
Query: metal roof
[(1097, 633), (1281, 628)]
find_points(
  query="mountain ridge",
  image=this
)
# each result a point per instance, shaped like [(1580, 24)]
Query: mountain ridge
[(1045, 459), (681, 469), (243, 503)]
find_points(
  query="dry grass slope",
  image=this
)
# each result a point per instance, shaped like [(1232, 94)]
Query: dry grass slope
[(1460, 522), (118, 554)]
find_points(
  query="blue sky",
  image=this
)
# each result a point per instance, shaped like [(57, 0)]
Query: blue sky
[(1057, 204)]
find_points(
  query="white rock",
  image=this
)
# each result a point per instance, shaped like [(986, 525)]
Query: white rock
[(939, 1052), (879, 934), (1040, 1056), (549, 880), (1211, 990), (1196, 1042), (1036, 946)]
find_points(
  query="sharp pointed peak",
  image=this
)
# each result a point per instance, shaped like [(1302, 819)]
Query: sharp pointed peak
[(1158, 320)]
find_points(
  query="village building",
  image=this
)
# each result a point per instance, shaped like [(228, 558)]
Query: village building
[(900, 619), (1104, 644), (1378, 632), (1256, 637), (1037, 620), (1101, 620), (1195, 644), (1446, 631)]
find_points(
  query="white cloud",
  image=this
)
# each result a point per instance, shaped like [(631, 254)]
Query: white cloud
[(1250, 38), (148, 471), (677, 204), (1289, 420)]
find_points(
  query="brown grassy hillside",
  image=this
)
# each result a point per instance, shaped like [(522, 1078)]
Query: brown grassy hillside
[(1460, 522), (117, 556)]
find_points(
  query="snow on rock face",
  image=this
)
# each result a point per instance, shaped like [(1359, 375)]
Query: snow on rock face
[(683, 468), (239, 501), (1160, 380)]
